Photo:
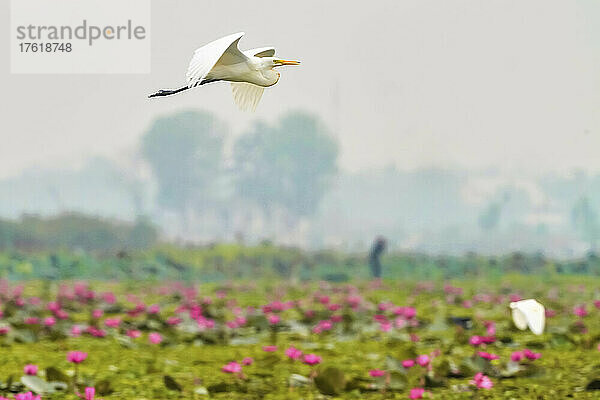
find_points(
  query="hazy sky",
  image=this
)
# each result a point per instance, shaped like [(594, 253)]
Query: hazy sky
[(468, 83)]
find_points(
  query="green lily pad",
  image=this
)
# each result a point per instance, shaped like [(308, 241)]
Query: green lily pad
[(296, 380), (330, 381), (36, 384)]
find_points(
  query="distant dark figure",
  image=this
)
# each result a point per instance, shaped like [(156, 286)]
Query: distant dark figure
[(463, 322), (377, 249)]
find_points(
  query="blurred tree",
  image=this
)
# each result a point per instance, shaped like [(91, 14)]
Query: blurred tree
[(143, 233), (185, 153), (490, 217), (289, 165), (75, 231), (585, 221)]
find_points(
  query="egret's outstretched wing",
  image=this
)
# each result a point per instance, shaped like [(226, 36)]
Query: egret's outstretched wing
[(224, 50), (246, 95), (260, 52), (519, 319)]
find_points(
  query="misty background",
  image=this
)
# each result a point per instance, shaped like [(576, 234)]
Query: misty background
[(447, 127)]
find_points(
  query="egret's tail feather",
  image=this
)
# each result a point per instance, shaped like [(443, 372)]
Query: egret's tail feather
[(167, 92)]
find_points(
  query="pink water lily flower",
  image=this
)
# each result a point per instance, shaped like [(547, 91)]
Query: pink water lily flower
[(112, 322), (76, 331), (232, 368), (353, 301), (385, 326), (76, 357), (580, 311), (380, 318), (27, 396), (488, 339), (490, 328), (376, 372), (408, 363), (475, 341), (90, 393), (109, 297), (416, 393), (92, 330), (155, 338), (482, 381), (134, 333), (231, 324), (423, 360), (293, 353), (247, 361), (400, 322), (30, 369), (312, 359), (410, 312), (531, 355), (516, 356), (325, 325), (154, 309), (487, 356)]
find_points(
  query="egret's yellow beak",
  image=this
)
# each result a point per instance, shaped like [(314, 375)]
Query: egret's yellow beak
[(287, 62)]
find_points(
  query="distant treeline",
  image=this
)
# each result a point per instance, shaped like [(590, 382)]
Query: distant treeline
[(224, 262), (74, 231)]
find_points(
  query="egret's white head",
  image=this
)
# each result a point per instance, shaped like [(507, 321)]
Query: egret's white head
[(266, 65)]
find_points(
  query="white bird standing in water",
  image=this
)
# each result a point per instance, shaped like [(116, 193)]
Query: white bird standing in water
[(248, 71)]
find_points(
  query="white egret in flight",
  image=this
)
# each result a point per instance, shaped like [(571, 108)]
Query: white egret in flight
[(248, 71), (529, 313)]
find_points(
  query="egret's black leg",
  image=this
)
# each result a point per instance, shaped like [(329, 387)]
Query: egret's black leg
[(168, 92)]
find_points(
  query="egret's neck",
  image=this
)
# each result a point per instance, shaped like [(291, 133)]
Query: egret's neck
[(265, 75), (270, 77)]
